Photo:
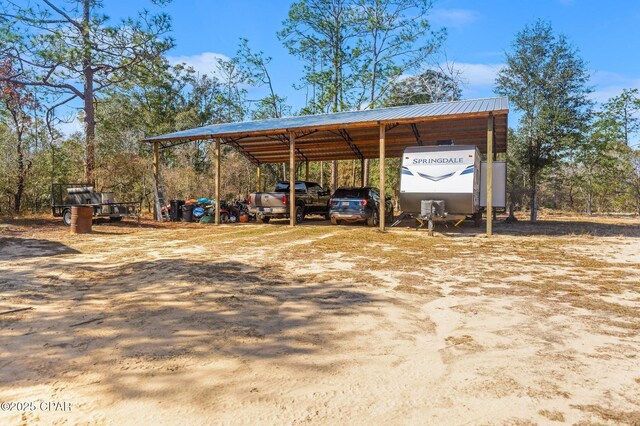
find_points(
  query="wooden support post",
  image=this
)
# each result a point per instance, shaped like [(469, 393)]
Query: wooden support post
[(217, 183), (322, 174), (362, 168), (306, 170), (383, 200), (490, 124), (292, 179), (334, 176), (156, 177), (259, 179)]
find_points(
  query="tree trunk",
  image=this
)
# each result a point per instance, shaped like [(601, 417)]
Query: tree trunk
[(89, 110), (17, 196), (353, 173), (589, 203), (533, 182)]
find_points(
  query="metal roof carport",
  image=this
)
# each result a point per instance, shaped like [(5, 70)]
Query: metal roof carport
[(375, 133)]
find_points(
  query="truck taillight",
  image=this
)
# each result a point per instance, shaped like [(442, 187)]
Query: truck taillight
[(363, 202), (249, 199), (334, 203), (284, 199)]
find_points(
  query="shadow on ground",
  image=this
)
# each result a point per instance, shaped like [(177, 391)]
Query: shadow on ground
[(21, 248), (106, 320)]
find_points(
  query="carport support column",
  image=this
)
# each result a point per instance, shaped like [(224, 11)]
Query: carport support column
[(363, 164), (292, 179), (490, 124), (306, 170), (156, 177), (259, 178), (217, 184), (383, 200)]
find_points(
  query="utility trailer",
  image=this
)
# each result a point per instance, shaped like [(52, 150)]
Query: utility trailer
[(65, 195), (445, 183)]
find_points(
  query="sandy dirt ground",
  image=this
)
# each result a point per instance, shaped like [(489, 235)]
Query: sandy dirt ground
[(267, 324)]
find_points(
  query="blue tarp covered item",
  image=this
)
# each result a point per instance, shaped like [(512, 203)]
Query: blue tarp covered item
[(203, 200), (198, 212)]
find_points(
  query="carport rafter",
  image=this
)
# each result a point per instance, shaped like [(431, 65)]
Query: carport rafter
[(416, 133), (248, 155)]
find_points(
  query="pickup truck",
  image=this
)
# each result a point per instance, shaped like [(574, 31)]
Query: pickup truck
[(311, 198)]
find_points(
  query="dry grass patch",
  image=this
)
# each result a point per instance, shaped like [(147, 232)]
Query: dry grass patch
[(553, 415), (620, 417)]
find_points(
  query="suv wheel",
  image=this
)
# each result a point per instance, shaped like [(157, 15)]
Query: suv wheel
[(373, 219)]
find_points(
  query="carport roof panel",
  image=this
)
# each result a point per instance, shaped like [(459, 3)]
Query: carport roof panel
[(383, 115)]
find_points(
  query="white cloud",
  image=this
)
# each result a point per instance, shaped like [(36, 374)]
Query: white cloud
[(203, 63), (609, 84), (456, 18), (479, 75), (70, 125)]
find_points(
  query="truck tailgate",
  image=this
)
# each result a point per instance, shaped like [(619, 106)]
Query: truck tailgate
[(268, 199)]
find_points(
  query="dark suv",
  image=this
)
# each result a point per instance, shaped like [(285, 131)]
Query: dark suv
[(358, 204)]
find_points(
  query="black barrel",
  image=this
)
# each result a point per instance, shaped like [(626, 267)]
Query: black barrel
[(187, 213), (176, 210)]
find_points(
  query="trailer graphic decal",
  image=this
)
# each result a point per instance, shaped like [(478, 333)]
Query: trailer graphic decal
[(435, 178)]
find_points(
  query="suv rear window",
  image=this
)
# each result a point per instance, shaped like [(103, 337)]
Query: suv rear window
[(351, 193)]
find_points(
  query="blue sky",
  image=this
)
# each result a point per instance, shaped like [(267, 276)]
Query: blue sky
[(479, 32)]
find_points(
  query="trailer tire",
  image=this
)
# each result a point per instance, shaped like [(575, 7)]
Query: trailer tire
[(115, 219), (334, 221), (263, 219), (66, 217)]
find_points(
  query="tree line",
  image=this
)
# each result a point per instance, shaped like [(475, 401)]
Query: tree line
[(565, 152)]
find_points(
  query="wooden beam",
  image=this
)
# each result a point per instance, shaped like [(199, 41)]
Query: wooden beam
[(362, 169), (416, 133), (383, 200), (259, 179), (156, 177), (292, 178), (306, 170), (217, 180), (490, 175)]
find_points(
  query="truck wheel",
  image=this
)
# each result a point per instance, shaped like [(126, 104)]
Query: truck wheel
[(263, 219), (66, 217), (299, 214), (224, 218), (115, 219)]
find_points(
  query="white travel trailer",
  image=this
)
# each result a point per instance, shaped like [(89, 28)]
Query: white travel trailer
[(451, 174)]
